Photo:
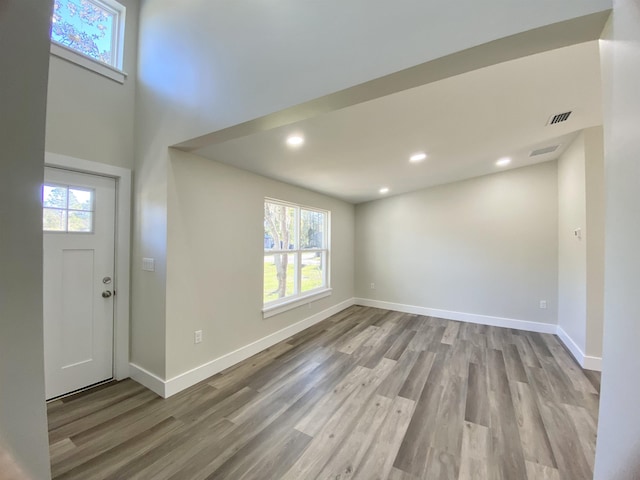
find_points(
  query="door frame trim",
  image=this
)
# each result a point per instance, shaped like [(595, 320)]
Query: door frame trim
[(122, 272)]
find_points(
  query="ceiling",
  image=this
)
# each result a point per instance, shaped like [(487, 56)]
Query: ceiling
[(463, 123)]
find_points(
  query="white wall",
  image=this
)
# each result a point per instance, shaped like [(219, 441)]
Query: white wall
[(572, 251), (215, 259), (485, 246), (595, 207), (617, 453), (24, 47), (581, 260), (148, 289), (217, 64), (90, 116), (204, 66)]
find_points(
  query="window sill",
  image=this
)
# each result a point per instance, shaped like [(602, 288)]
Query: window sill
[(89, 63), (273, 310)]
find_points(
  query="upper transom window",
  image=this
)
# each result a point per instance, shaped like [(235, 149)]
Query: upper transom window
[(93, 28)]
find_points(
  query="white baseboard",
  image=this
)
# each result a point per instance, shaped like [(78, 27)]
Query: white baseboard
[(586, 361), (146, 378), (166, 388), (592, 363), (460, 316)]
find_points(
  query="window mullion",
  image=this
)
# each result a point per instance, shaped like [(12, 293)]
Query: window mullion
[(298, 273), (66, 224), (325, 271), (115, 39), (298, 281)]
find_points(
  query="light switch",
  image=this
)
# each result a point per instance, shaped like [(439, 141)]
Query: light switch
[(148, 264)]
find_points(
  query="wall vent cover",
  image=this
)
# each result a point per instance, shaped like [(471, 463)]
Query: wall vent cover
[(559, 118), (544, 150)]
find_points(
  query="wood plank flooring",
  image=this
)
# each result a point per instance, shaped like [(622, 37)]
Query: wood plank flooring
[(366, 394)]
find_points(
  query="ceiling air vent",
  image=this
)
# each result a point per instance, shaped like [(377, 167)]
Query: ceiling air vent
[(542, 151), (559, 118)]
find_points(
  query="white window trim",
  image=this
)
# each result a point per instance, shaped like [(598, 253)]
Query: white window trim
[(295, 302), (282, 305), (123, 249), (114, 72), (88, 63)]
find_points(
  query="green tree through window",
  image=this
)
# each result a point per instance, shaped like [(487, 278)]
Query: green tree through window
[(295, 246), (67, 209), (87, 26)]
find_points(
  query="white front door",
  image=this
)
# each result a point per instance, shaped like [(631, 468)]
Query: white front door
[(78, 264)]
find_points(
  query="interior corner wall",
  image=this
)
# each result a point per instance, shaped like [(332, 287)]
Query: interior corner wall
[(215, 259), (148, 288), (595, 217), (572, 250), (581, 258), (90, 116), (485, 246), (618, 424), (24, 56)]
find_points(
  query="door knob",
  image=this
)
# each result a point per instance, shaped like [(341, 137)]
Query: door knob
[(106, 294)]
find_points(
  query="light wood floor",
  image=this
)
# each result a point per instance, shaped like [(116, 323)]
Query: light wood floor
[(366, 394)]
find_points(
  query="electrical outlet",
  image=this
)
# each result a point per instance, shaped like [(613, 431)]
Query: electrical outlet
[(373, 286), (543, 304), (197, 336)]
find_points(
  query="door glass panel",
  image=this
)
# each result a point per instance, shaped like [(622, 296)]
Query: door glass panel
[(80, 199), (54, 220), (80, 221), (67, 209), (54, 196)]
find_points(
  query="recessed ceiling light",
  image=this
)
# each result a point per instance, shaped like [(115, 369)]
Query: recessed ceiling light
[(384, 190), (295, 140), (417, 157), (503, 162)]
